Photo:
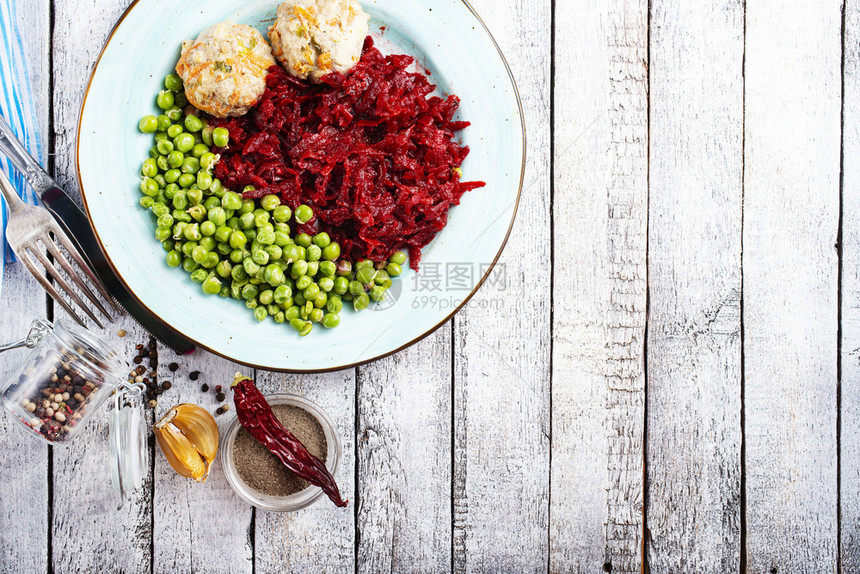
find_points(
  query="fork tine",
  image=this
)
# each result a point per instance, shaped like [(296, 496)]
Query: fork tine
[(72, 250), (64, 285), (64, 263), (24, 258)]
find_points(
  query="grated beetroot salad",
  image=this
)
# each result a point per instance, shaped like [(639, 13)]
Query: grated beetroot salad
[(369, 152)]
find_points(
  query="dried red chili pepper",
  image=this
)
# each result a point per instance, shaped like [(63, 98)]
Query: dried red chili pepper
[(256, 416)]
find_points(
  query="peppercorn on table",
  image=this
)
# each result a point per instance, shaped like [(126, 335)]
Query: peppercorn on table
[(661, 374)]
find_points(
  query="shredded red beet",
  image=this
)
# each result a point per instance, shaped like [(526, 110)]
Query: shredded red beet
[(370, 153)]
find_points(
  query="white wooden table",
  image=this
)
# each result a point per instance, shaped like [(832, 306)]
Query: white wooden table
[(668, 379)]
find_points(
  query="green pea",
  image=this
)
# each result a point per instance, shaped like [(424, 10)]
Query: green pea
[(303, 327), (192, 232), (212, 285), (165, 220), (148, 124), (314, 253), (218, 216), (282, 239), (231, 200), (181, 100), (174, 113), (300, 268), (377, 293), (320, 300), (196, 212), (199, 149), (159, 209), (189, 265), (303, 239), (313, 268), (164, 147), (361, 302), (282, 293), (199, 254), (153, 152), (248, 206), (184, 142), (304, 214), (381, 277), (220, 137), (261, 219), (222, 235), (207, 228), (211, 203), (316, 315), (270, 202), (191, 165), (265, 236), (195, 196), (334, 303), (163, 123), (303, 283), (206, 134), (162, 233), (281, 213), (186, 180), (331, 320), (311, 292), (356, 288), (398, 257), (161, 162), (212, 260), (149, 168), (207, 159), (322, 240), (246, 221), (365, 275), (331, 251), (224, 249), (251, 268), (274, 252), (291, 313), (204, 180), (199, 275), (267, 297), (238, 273), (173, 82), (393, 269), (173, 258), (193, 123), (326, 284), (260, 313), (165, 99), (218, 190), (249, 292), (341, 285), (175, 159), (224, 269), (172, 175), (278, 317), (260, 257), (344, 268), (251, 233), (173, 131), (149, 187)]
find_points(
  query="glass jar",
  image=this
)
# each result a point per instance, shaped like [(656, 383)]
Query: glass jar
[(67, 376), (295, 501)]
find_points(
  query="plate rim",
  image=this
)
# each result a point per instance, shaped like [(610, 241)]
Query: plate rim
[(353, 365)]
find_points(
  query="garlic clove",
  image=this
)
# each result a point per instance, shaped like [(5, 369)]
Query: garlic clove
[(180, 453), (199, 427)]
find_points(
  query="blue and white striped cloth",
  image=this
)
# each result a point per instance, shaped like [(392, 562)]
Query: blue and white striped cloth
[(18, 107)]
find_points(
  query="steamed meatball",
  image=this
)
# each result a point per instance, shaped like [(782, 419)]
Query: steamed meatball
[(225, 69), (312, 38)]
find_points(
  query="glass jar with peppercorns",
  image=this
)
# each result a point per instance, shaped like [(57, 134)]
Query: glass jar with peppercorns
[(65, 379)]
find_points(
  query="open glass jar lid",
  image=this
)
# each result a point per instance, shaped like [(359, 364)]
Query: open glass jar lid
[(67, 376)]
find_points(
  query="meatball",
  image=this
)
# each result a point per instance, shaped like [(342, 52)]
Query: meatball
[(312, 38), (225, 69)]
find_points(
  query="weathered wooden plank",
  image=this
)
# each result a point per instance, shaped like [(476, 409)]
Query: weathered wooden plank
[(88, 532), (694, 277), (791, 217), (850, 419), (198, 527), (23, 460), (600, 214), (321, 537), (404, 459), (501, 345)]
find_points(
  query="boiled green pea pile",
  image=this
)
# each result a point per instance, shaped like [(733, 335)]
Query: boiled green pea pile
[(243, 248)]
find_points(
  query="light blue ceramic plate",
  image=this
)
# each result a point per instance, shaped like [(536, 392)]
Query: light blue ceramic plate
[(446, 37)]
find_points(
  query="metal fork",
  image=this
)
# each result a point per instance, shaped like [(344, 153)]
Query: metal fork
[(30, 225)]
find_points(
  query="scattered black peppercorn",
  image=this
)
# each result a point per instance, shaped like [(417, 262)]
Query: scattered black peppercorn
[(137, 360), (166, 385), (217, 388), (222, 409), (204, 388), (173, 367), (220, 397), (193, 375)]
